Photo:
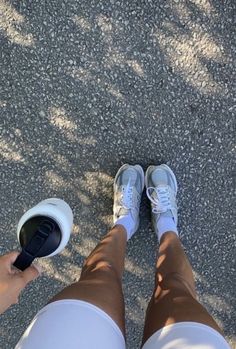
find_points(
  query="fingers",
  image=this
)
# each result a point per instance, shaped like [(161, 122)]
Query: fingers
[(13, 281), (29, 274), (22, 278), (8, 259)]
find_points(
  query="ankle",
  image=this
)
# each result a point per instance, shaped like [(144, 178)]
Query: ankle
[(118, 229), (166, 224), (169, 236), (127, 223)]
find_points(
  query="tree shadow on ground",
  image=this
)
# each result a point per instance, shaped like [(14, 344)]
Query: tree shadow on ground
[(87, 87)]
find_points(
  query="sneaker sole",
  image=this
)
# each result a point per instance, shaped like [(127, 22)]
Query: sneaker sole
[(167, 168)]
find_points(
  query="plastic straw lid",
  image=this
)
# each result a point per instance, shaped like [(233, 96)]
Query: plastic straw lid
[(39, 236)]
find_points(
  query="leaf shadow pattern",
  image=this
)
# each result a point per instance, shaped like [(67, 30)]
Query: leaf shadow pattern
[(87, 87)]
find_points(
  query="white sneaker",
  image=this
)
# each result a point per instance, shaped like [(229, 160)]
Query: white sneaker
[(161, 189), (128, 188)]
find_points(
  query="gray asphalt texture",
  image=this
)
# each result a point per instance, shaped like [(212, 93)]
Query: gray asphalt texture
[(89, 85)]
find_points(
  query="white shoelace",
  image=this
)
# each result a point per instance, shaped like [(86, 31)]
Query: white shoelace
[(161, 200)]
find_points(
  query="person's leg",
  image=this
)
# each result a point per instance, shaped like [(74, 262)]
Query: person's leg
[(100, 281), (174, 296)]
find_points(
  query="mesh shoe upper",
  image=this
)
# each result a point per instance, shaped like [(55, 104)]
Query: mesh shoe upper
[(128, 187), (161, 190)]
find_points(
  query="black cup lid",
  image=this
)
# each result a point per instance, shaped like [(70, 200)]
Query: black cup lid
[(39, 237), (51, 233)]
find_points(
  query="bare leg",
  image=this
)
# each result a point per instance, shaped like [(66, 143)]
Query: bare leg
[(100, 280), (174, 296)]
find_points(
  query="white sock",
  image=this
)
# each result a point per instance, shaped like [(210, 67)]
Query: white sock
[(165, 224), (128, 224)]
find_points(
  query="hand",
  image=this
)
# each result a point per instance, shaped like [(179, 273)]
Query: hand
[(12, 280)]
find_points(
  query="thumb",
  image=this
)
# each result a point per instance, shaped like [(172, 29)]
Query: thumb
[(29, 274)]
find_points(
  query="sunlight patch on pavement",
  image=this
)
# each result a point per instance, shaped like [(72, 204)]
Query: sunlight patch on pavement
[(85, 247), (107, 219), (12, 24), (216, 302), (132, 63), (205, 6), (83, 197), (60, 119), (82, 22), (8, 152), (133, 268), (90, 76), (97, 184), (104, 23), (55, 181), (50, 269), (188, 51)]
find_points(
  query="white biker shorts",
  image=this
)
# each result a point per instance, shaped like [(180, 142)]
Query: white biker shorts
[(77, 324)]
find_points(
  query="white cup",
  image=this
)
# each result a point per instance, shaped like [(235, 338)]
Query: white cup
[(56, 209)]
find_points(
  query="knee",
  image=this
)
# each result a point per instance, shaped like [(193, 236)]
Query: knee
[(174, 282), (169, 281), (99, 267)]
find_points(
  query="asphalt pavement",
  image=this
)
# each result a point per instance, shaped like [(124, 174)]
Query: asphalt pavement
[(89, 85)]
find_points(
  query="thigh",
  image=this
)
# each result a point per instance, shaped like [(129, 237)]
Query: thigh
[(174, 305), (186, 335), (72, 324)]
